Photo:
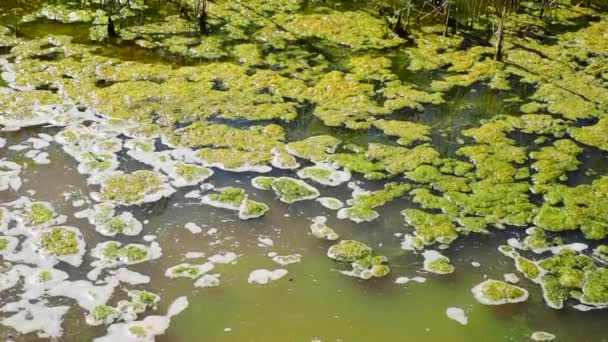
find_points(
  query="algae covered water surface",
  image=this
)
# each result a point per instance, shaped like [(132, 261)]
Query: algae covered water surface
[(292, 170)]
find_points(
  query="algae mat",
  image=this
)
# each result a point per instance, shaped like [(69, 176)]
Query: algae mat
[(293, 176)]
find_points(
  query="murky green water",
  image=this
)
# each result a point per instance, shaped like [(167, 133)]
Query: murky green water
[(313, 301)]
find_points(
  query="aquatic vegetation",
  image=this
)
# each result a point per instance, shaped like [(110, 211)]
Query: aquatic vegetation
[(601, 253), (315, 149), (62, 241), (290, 190), (357, 30), (435, 262), (365, 264), (321, 231), (496, 292), (431, 228), (187, 270), (594, 135), (330, 203), (408, 132), (135, 188), (363, 202), (553, 162), (325, 174), (228, 198), (252, 209)]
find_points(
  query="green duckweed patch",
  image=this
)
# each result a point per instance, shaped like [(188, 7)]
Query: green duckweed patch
[(60, 241), (496, 292)]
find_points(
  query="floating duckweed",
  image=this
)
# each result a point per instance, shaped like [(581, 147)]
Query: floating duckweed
[(188, 270), (496, 292), (189, 174), (435, 262), (431, 228)]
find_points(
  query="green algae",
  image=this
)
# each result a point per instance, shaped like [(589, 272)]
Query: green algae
[(594, 135), (132, 253), (431, 228), (601, 253), (138, 331), (38, 213), (357, 30), (104, 312), (321, 231), (495, 292), (363, 203), (349, 251), (437, 263), (252, 209), (60, 241), (553, 162), (4, 243), (528, 268), (408, 132), (427, 174), (229, 196), (290, 190), (365, 264), (570, 208), (262, 182), (133, 188), (316, 148), (45, 276)]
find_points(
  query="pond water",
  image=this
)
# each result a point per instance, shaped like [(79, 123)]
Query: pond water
[(131, 101)]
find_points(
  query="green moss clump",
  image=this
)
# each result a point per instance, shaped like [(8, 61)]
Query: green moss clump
[(427, 174), (130, 188), (132, 253), (349, 251), (144, 297), (186, 271), (252, 209), (60, 241), (138, 331), (38, 213), (528, 268), (292, 190), (4, 244), (116, 225), (435, 262), (315, 149), (431, 228), (495, 292), (408, 132), (554, 293), (263, 183), (362, 204), (45, 276), (191, 173), (553, 162), (358, 30), (595, 288), (592, 135), (230, 196), (601, 253), (103, 312)]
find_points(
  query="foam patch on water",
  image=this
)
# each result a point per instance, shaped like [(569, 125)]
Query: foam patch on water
[(457, 314), (264, 276)]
